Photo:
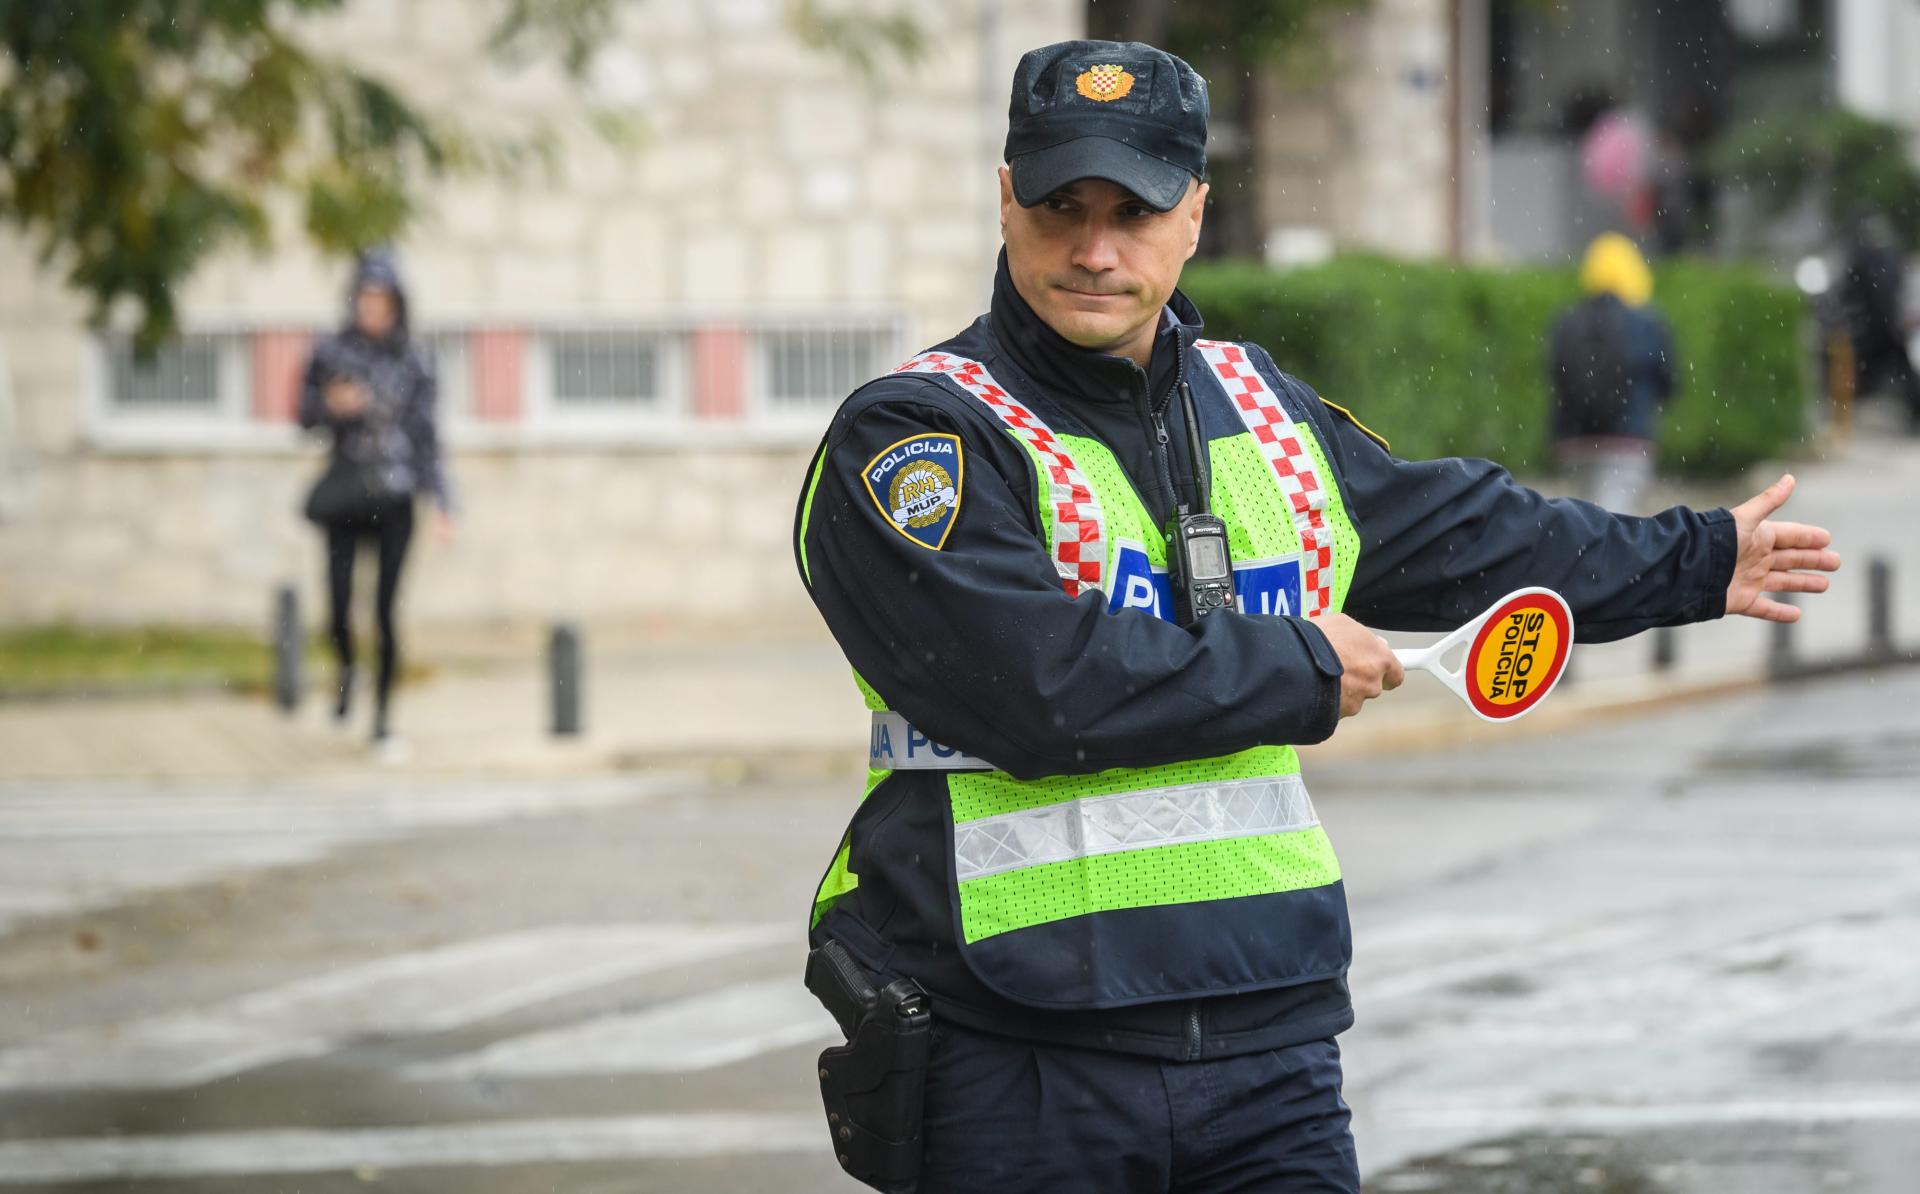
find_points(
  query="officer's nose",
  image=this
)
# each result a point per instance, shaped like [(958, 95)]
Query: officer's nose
[(1096, 249)]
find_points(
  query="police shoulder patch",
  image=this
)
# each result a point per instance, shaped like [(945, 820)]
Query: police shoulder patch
[(916, 485)]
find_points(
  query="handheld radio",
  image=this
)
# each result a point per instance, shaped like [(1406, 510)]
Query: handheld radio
[(1199, 560)]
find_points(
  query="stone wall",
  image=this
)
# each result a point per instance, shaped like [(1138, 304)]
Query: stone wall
[(615, 535), (1355, 144), (769, 181)]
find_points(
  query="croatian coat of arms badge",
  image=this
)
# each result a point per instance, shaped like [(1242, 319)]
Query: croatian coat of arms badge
[(1104, 83)]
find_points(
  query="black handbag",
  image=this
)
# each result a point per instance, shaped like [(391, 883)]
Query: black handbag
[(353, 488), (347, 491)]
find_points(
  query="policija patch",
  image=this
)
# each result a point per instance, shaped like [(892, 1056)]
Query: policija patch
[(916, 484)]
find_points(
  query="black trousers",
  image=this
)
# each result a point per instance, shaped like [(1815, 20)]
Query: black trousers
[(1009, 1116), (390, 527)]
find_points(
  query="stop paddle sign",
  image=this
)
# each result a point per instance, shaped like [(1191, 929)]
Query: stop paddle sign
[(1516, 652)]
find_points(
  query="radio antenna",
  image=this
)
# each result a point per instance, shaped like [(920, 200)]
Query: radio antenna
[(1202, 475)]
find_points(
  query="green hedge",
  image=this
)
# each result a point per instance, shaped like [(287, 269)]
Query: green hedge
[(1449, 360)]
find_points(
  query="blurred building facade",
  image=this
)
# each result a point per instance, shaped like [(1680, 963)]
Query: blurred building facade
[(636, 357), (1453, 127)]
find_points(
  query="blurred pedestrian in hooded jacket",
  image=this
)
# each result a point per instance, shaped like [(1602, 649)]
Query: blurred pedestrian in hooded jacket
[(374, 390), (1611, 364)]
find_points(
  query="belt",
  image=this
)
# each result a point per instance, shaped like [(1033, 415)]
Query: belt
[(897, 745)]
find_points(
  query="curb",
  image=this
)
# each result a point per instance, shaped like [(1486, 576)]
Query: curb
[(1446, 727), (1441, 726), (1591, 701)]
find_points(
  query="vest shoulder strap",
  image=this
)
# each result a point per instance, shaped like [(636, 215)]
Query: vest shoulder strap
[(1079, 525), (1280, 442)]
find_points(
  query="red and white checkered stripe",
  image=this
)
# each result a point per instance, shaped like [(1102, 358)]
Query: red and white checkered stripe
[(1079, 528), (1280, 443)]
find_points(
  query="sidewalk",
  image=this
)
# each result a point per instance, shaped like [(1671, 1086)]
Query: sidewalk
[(733, 709)]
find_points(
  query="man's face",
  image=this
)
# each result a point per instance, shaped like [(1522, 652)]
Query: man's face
[(1095, 262)]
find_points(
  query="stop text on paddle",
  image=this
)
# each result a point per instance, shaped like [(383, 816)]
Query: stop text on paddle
[(1515, 653)]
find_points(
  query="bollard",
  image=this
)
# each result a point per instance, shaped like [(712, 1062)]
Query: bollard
[(1780, 660), (1879, 608), (287, 655), (1665, 648), (563, 667)]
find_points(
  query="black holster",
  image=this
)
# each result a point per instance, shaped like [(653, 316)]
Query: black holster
[(874, 1085)]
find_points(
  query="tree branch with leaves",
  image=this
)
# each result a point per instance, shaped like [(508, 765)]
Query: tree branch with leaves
[(138, 137)]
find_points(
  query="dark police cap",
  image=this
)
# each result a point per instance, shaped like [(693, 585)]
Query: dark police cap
[(1122, 111)]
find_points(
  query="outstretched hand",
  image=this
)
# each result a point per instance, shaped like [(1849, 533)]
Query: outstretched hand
[(1775, 557)]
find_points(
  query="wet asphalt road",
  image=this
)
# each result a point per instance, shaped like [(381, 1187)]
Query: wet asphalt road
[(1674, 953)]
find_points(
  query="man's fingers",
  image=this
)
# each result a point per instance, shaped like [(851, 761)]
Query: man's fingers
[(1818, 561), (1756, 508), (1795, 582), (1800, 534), (1396, 673), (1773, 611)]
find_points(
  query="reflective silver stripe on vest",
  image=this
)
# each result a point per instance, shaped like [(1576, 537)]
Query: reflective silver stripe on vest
[(897, 746), (1131, 821)]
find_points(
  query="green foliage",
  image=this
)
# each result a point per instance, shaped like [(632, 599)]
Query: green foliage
[(139, 136), (50, 660), (863, 40), (570, 30), (65, 660), (1221, 32), (1846, 160), (1448, 360), (1251, 30)]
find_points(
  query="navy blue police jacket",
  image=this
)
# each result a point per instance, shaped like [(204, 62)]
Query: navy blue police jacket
[(978, 646)]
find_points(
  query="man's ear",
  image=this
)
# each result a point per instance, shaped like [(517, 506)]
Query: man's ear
[(1006, 199), (1196, 212)]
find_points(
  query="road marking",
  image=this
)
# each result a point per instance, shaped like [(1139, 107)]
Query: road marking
[(1802, 980), (697, 1033), (513, 1142), (425, 991)]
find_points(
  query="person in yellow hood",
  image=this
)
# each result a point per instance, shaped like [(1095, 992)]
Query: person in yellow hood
[(1610, 361)]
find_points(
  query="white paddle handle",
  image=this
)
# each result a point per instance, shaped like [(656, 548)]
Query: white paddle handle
[(1412, 657), (1427, 659)]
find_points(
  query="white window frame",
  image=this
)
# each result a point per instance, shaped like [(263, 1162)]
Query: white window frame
[(769, 415), (453, 385), (227, 423), (546, 415)]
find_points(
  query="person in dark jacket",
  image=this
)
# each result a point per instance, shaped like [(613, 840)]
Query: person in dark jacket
[(1873, 293), (374, 391), (1085, 834), (1610, 360)]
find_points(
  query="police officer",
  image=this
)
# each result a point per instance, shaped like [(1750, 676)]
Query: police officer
[(1085, 834)]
